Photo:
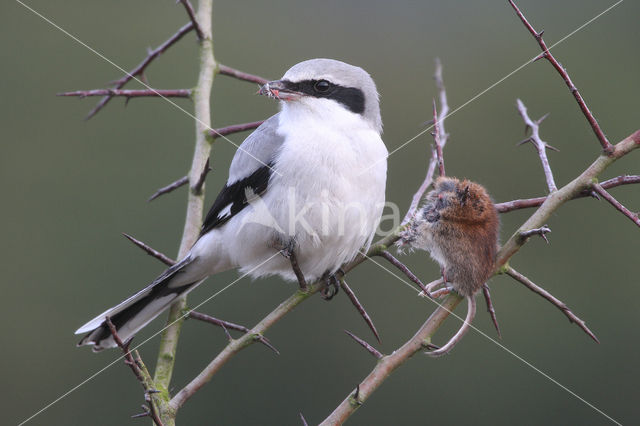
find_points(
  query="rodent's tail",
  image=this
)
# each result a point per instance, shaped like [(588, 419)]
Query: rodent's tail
[(471, 313), (140, 309)]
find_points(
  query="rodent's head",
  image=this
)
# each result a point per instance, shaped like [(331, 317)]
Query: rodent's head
[(458, 201)]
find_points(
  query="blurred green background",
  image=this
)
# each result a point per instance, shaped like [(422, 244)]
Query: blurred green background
[(70, 187)]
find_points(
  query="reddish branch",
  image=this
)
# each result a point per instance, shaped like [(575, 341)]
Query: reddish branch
[(554, 301), (405, 270), (226, 325), (508, 206), (615, 203), (150, 251), (542, 232), (606, 145), (140, 68), (171, 187), (232, 72), (177, 93), (192, 16), (373, 351), (354, 299), (234, 128), (140, 372), (540, 145)]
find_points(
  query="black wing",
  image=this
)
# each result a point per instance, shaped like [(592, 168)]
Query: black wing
[(233, 198)]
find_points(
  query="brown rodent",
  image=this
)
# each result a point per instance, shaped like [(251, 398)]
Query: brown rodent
[(458, 225)]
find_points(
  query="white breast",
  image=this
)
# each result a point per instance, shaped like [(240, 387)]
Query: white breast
[(328, 193)]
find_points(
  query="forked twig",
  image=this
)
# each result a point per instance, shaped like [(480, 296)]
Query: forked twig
[(606, 145), (226, 325), (540, 145)]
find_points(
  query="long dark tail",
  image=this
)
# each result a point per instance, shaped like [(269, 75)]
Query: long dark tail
[(471, 313), (138, 310)]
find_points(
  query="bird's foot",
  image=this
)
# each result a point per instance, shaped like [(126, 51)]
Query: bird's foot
[(332, 285), (288, 252)]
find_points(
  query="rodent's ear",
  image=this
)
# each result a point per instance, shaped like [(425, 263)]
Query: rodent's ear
[(445, 184), (463, 194)]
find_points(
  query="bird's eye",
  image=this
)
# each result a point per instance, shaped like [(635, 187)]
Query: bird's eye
[(322, 86)]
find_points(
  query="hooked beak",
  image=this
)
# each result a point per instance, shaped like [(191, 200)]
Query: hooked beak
[(278, 89)]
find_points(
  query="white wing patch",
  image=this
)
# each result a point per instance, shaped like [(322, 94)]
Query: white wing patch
[(225, 211)]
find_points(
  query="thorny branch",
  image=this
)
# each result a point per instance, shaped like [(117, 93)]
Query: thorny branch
[(554, 301), (192, 16), (176, 93), (444, 110), (615, 203), (606, 145), (140, 371), (138, 71), (240, 75), (540, 145), (509, 206), (229, 325)]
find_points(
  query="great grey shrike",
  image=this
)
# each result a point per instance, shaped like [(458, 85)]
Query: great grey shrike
[(310, 180)]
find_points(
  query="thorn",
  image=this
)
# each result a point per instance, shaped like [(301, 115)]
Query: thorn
[(304, 421), (431, 346), (594, 195), (522, 142), (540, 56), (539, 35), (226, 332), (373, 351), (541, 119), (356, 395), (552, 148)]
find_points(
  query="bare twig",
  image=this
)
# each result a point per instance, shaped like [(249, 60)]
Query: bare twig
[(354, 299), (606, 145), (195, 205), (404, 269), (169, 188), (151, 252), (235, 128), (373, 351), (443, 136), (229, 325), (176, 93), (492, 312), (232, 72), (615, 203), (139, 369), (542, 231), (436, 138), (141, 67), (554, 301), (540, 145), (192, 16), (509, 206)]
